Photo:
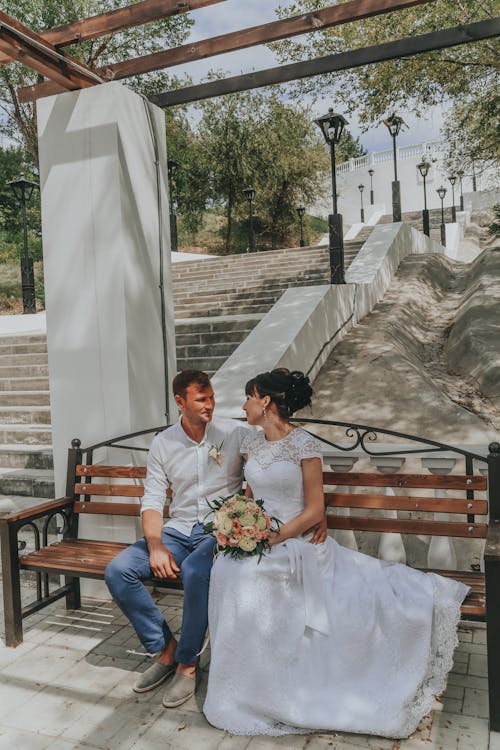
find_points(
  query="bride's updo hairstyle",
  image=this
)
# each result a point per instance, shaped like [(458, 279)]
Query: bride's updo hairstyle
[(288, 391)]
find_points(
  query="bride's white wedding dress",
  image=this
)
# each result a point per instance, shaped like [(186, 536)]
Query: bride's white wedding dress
[(320, 637)]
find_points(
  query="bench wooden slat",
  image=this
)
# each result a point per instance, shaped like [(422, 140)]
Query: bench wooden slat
[(423, 481), (111, 509), (126, 472), (112, 490), (391, 502), (404, 526)]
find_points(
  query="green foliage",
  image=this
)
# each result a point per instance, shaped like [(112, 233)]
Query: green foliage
[(13, 162), (465, 76), (494, 229)]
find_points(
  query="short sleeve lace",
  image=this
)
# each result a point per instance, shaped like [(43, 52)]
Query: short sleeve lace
[(309, 446), (294, 447)]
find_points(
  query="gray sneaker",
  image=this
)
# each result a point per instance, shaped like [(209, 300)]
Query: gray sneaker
[(153, 677), (180, 690)]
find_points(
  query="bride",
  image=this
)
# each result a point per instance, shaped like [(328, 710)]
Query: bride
[(317, 636)]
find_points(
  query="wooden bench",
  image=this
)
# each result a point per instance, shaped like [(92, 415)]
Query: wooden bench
[(92, 489)]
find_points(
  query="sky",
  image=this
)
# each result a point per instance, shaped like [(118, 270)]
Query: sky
[(232, 15)]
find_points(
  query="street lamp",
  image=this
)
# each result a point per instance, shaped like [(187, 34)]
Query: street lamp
[(460, 174), (394, 124), (441, 191), (172, 167), (23, 190), (452, 180), (371, 173), (423, 167), (249, 193), (332, 126), (301, 211), (362, 211), (474, 182)]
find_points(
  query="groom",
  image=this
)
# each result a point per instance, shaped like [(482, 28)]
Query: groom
[(197, 458)]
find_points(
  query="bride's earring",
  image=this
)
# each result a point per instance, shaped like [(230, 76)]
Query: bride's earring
[(264, 413)]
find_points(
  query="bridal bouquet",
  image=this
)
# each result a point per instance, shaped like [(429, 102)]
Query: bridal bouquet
[(241, 526)]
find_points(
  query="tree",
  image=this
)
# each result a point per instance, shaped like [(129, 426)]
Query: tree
[(12, 163), (465, 77), (39, 16)]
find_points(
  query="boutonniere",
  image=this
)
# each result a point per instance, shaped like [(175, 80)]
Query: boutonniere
[(215, 452)]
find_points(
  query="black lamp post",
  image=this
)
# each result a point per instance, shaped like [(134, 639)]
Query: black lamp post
[(371, 173), (441, 191), (332, 126), (474, 182), (250, 195), (460, 174), (452, 180), (394, 124), (301, 211), (362, 210), (423, 167), (23, 190), (172, 167)]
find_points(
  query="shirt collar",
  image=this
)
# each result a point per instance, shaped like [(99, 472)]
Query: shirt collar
[(206, 436)]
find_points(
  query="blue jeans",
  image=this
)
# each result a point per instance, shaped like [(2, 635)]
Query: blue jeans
[(124, 577)]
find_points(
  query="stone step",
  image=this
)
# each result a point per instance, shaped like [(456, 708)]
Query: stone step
[(209, 338), (27, 482), (23, 456), (23, 371), (206, 364), (25, 398), (226, 293), (24, 338), (222, 324), (212, 306), (201, 351), (23, 359), (25, 434), (22, 348), (185, 312), (24, 384), (24, 414)]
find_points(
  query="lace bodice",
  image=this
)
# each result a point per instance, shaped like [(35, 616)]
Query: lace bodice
[(273, 469)]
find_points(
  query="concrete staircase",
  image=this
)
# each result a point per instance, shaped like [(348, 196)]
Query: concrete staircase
[(414, 218), (218, 302), (25, 432)]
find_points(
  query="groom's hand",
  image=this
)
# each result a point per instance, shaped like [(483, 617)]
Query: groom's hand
[(162, 562)]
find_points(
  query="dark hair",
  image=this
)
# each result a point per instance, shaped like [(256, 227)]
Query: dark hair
[(289, 391), (185, 378)]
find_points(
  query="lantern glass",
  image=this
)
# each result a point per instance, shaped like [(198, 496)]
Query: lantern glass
[(361, 188), (22, 188), (441, 191), (371, 172), (452, 179), (301, 211), (394, 123)]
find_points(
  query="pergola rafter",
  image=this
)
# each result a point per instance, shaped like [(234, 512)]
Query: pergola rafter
[(324, 18), (21, 44)]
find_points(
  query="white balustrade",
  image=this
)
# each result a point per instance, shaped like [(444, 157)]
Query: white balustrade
[(345, 537), (441, 553)]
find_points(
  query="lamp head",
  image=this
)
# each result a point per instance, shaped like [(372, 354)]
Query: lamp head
[(394, 123), (361, 188), (423, 167), (371, 172), (452, 179), (332, 126), (23, 188), (441, 191), (301, 211), (249, 193)]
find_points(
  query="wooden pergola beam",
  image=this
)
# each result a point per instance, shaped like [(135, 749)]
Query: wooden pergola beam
[(117, 20), (335, 15), (22, 44), (401, 48)]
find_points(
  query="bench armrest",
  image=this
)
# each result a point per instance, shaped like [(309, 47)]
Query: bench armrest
[(492, 547), (37, 511)]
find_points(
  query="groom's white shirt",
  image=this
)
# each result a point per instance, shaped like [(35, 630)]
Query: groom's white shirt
[(178, 462)]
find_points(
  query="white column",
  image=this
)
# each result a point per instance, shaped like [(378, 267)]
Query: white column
[(105, 237), (345, 537), (391, 547), (441, 553)]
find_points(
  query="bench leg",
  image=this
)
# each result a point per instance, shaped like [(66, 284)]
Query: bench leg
[(11, 586), (73, 598), (492, 574)]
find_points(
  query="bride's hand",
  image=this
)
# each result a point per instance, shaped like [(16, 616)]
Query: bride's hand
[(274, 538), (320, 532)]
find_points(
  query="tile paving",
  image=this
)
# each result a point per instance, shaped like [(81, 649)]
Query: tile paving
[(69, 686)]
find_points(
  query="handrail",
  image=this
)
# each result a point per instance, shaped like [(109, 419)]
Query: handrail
[(360, 432)]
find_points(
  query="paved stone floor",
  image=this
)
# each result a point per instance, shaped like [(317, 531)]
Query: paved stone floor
[(69, 686)]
